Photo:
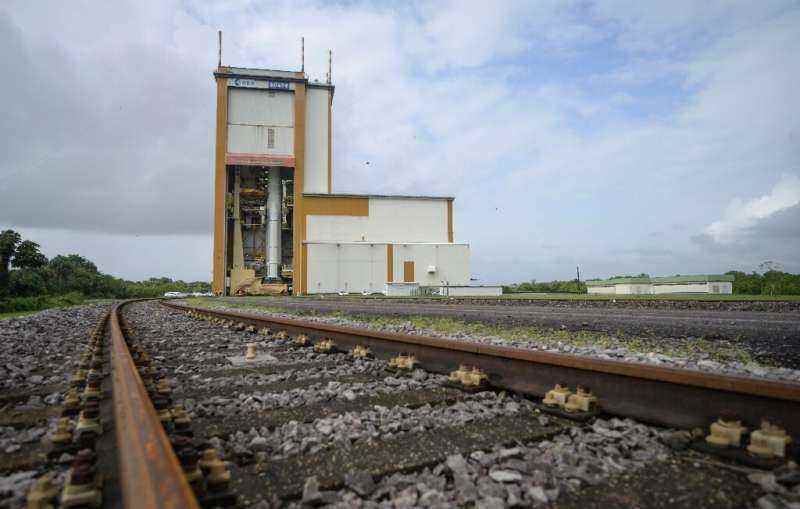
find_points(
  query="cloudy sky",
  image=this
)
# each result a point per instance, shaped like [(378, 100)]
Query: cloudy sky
[(622, 136)]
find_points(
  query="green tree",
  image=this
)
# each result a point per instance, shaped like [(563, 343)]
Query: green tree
[(28, 256), (573, 286), (9, 240), (73, 273), (30, 282), (27, 283)]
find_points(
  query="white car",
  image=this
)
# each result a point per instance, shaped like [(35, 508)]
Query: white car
[(174, 294)]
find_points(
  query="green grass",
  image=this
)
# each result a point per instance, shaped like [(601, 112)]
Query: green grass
[(100, 301), (585, 296), (698, 297), (213, 302), (581, 297), (61, 305), (720, 351), (14, 314)]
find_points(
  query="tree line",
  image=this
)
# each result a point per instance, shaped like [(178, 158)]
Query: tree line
[(30, 281), (771, 282), (534, 286)]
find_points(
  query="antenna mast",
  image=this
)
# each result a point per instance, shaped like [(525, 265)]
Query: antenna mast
[(219, 48), (303, 54), (330, 66)]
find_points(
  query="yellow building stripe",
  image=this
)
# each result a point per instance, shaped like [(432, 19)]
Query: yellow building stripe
[(449, 220), (299, 221), (220, 184), (389, 263), (335, 206)]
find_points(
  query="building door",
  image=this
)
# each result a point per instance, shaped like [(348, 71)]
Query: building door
[(408, 272)]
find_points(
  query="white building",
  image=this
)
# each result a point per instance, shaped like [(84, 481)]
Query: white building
[(383, 239), (709, 284), (278, 223)]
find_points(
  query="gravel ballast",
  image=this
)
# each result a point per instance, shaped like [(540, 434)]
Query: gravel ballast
[(697, 360), (38, 354), (482, 450)]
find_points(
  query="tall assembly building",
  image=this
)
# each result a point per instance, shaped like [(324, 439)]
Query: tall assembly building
[(278, 225)]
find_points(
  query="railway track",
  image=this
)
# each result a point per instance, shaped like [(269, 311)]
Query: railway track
[(686, 398), (772, 337), (655, 315), (108, 446), (188, 420)]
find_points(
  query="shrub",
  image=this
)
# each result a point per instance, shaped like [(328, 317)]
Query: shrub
[(41, 302)]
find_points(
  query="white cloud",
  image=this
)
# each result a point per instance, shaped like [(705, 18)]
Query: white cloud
[(458, 34), (742, 215), (678, 25)]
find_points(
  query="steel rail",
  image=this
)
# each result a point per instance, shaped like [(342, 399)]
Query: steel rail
[(661, 395), (150, 475)]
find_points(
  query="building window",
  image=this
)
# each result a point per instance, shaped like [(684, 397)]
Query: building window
[(270, 138)]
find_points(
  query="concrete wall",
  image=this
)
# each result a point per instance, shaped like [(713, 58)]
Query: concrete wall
[(408, 220), (249, 106), (601, 290), (633, 289), (255, 140), (317, 138), (721, 287), (346, 267), (680, 288), (389, 220), (471, 291), (451, 263), (362, 266), (400, 289), (252, 113)]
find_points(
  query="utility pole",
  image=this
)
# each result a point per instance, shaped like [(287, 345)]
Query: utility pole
[(578, 271)]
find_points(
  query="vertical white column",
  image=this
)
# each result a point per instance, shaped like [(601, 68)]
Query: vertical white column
[(274, 224)]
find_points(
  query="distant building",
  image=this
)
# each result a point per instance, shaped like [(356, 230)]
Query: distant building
[(720, 284)]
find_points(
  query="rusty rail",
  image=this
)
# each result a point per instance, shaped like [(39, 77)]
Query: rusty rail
[(666, 396), (150, 475)]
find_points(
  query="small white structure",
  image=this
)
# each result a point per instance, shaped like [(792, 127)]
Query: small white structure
[(720, 284), (708, 284), (470, 291), (401, 289)]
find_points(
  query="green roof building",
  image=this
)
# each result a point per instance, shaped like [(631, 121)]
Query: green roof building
[(701, 283)]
